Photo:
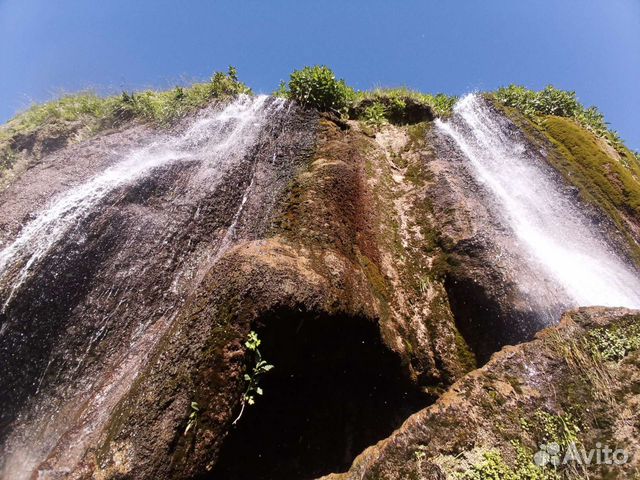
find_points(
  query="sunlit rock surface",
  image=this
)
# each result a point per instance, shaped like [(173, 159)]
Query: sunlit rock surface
[(378, 265)]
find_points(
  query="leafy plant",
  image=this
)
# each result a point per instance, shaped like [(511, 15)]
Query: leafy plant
[(616, 342), (561, 103), (253, 375), (317, 87), (419, 454), (375, 115), (561, 429), (193, 417), (442, 103)]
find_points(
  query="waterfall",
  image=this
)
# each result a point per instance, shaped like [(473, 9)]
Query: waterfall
[(230, 128), (72, 347), (568, 260)]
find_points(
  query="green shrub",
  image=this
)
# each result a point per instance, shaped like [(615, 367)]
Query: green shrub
[(549, 101), (561, 103), (317, 87), (442, 103)]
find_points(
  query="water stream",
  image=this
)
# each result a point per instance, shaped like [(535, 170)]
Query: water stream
[(70, 359), (568, 258)]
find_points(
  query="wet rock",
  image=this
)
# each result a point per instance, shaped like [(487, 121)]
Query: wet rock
[(370, 262)]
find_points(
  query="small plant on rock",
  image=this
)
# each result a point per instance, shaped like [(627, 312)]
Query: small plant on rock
[(616, 342), (375, 115), (419, 455), (193, 417), (561, 429), (252, 376)]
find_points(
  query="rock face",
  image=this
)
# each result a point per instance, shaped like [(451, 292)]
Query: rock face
[(364, 259), (571, 387), (96, 302), (327, 291)]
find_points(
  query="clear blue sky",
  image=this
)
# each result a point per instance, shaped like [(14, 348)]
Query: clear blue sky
[(590, 46)]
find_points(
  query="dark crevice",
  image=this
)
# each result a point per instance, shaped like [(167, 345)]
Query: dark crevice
[(335, 390), (484, 322)]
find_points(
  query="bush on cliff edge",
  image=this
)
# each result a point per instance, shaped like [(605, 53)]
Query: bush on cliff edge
[(317, 87)]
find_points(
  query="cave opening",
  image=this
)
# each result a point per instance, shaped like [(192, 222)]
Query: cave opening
[(335, 390)]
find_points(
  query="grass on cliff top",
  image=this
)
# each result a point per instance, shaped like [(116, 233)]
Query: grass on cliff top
[(91, 113), (149, 105), (394, 100)]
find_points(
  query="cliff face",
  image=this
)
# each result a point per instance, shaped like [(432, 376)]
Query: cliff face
[(342, 292), (365, 258)]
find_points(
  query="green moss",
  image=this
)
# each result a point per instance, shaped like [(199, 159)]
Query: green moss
[(418, 135), (515, 383), (466, 356), (379, 286), (610, 184), (493, 467), (614, 181), (602, 180)]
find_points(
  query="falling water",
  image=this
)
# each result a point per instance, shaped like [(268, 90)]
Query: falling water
[(549, 228), (217, 133), (64, 417)]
